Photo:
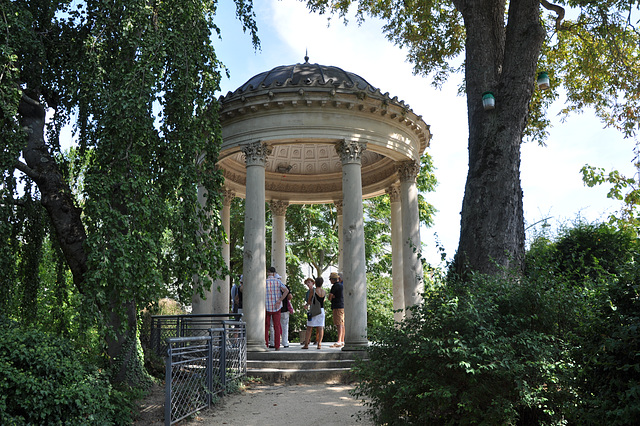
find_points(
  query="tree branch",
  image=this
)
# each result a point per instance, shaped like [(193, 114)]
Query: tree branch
[(27, 170), (559, 10)]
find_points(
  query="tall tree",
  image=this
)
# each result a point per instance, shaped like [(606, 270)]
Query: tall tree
[(594, 57), (138, 79)]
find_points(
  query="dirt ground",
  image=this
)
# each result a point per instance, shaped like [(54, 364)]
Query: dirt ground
[(266, 405)]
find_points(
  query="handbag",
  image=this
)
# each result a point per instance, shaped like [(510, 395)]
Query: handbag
[(315, 309)]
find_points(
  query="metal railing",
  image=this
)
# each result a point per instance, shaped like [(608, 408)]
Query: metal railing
[(199, 367), (166, 326)]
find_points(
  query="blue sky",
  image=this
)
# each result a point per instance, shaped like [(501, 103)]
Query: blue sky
[(550, 175)]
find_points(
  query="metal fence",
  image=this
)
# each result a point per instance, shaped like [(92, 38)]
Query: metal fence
[(166, 326), (199, 367)]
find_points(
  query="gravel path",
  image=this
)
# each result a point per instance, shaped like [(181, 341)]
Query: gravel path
[(266, 405)]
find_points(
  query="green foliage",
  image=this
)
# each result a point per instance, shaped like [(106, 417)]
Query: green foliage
[(625, 189), (137, 80), (312, 234), (379, 301), (478, 352), (45, 380), (585, 252), (556, 346), (600, 265), (593, 55)]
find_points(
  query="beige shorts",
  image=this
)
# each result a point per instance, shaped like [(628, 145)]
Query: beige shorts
[(338, 316)]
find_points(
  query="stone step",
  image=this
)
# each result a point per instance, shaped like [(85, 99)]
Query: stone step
[(324, 375), (297, 365), (300, 364)]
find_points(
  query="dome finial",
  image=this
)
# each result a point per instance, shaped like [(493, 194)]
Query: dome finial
[(306, 56)]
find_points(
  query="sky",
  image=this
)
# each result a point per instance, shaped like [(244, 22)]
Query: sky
[(550, 175)]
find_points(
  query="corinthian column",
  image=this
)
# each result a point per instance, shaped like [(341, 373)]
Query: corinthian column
[(355, 278), (254, 268), (338, 204), (202, 305), (278, 243), (221, 297), (396, 252), (413, 279)]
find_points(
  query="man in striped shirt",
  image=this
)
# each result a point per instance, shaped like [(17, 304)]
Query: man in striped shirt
[(276, 293)]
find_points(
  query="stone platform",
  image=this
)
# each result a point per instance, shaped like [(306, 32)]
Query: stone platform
[(296, 365)]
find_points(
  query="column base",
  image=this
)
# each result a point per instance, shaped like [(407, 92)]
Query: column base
[(256, 347), (356, 346)]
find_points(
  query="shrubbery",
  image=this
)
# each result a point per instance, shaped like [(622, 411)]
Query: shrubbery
[(44, 380), (478, 352), (556, 346)]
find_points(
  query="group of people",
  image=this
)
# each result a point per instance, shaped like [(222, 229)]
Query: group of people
[(279, 307), (315, 320)]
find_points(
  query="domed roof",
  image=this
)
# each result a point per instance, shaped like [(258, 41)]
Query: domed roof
[(304, 75), (300, 113)]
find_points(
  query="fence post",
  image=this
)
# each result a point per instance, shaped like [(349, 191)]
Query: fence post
[(167, 386), (210, 367), (223, 357)]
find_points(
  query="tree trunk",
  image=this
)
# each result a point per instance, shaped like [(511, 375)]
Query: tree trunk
[(123, 348), (56, 197), (502, 61), (55, 193)]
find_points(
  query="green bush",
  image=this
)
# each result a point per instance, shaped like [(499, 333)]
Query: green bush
[(43, 380), (479, 352), (602, 264), (558, 345)]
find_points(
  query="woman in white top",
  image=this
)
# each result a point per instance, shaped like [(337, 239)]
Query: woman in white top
[(317, 321)]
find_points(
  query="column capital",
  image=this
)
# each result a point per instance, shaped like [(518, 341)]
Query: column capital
[(394, 193), (338, 204), (408, 171), (227, 196), (350, 152), (278, 207), (255, 154)]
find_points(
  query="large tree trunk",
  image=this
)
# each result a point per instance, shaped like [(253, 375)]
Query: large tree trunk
[(56, 197), (55, 193), (503, 62)]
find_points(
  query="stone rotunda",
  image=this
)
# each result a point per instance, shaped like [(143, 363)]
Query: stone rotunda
[(309, 133)]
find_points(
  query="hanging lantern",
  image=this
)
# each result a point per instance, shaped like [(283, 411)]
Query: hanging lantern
[(543, 80), (488, 100)]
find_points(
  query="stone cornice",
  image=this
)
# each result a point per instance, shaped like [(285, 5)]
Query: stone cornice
[(321, 96)]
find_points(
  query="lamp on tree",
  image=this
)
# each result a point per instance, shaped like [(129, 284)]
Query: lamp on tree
[(488, 101), (543, 80)]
